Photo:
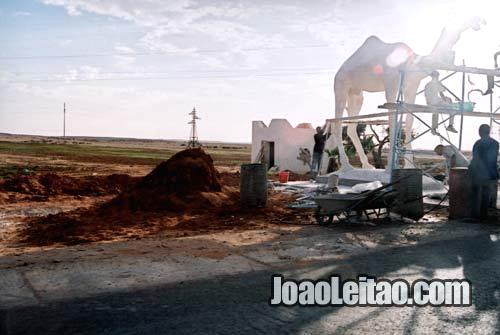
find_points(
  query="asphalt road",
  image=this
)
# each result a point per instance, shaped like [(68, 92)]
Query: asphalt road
[(237, 304)]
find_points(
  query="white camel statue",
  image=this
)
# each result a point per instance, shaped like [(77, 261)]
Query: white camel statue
[(376, 67)]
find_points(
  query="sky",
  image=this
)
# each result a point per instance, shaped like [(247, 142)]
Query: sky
[(137, 68)]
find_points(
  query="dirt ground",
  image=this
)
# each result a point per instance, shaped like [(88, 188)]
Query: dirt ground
[(51, 201), (74, 251), (40, 196)]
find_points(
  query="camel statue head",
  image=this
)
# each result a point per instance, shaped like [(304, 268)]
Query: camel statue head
[(450, 35), (476, 23)]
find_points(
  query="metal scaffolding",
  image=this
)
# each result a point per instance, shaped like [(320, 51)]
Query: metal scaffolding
[(400, 108)]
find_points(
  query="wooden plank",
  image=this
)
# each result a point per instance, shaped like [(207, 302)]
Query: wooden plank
[(466, 69), (377, 122), (361, 117), (413, 108)]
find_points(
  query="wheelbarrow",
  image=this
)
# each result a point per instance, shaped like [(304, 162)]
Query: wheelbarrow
[(346, 206)]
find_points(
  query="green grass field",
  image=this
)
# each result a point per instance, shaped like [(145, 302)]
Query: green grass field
[(119, 155)]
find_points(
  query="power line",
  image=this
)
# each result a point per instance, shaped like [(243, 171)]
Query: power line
[(172, 77), (156, 53), (190, 75), (189, 71)]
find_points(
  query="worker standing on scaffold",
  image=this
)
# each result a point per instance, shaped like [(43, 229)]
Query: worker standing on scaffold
[(435, 97)]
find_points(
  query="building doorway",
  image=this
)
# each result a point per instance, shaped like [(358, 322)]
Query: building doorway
[(267, 154)]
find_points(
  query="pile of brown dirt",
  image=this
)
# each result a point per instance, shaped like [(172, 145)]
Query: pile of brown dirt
[(51, 184), (230, 178), (94, 225), (187, 172), (185, 181)]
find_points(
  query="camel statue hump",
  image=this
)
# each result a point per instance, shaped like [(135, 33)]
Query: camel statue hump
[(372, 39)]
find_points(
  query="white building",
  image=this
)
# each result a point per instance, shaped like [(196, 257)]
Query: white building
[(279, 144)]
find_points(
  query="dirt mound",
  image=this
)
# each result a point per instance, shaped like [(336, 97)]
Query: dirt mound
[(51, 184), (181, 197), (221, 212), (230, 178), (185, 181), (187, 172)]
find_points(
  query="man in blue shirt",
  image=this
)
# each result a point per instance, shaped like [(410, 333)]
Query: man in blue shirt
[(483, 172)]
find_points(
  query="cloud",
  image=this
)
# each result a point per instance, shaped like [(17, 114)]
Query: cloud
[(187, 28), (85, 72), (65, 42), (124, 49), (158, 40), (146, 13), (123, 61), (22, 13)]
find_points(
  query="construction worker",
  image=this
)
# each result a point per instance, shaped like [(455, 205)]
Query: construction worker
[(319, 146), (483, 173), (435, 97), (453, 157)]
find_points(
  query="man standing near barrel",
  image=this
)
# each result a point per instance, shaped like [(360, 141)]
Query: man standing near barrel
[(483, 173)]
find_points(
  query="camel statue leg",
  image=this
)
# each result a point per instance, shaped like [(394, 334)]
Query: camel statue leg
[(340, 106), (408, 134), (410, 94), (331, 143), (337, 135), (354, 103)]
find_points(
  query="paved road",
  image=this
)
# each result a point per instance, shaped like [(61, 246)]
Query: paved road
[(237, 304)]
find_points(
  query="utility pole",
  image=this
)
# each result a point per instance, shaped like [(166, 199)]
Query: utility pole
[(193, 137), (64, 120)]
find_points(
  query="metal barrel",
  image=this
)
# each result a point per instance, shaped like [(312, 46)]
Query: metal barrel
[(253, 185), (410, 203), (459, 194)]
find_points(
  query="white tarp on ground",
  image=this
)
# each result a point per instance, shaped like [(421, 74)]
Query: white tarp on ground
[(357, 176), (359, 188)]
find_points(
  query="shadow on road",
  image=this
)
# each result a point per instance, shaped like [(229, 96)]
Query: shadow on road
[(238, 304)]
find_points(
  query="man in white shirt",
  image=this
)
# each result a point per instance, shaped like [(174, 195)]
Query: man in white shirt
[(435, 97), (453, 157)]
